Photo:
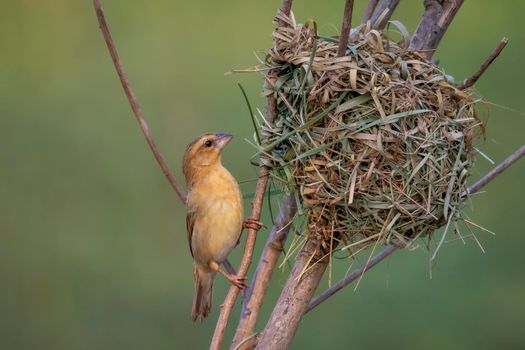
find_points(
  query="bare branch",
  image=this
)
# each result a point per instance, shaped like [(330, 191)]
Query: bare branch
[(246, 261), (433, 25), (472, 80), (491, 175), (498, 169), (134, 103), (345, 30), (254, 295), (376, 259), (383, 12), (286, 8), (369, 11), (294, 299)]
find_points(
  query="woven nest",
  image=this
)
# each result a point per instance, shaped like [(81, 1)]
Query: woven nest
[(377, 144)]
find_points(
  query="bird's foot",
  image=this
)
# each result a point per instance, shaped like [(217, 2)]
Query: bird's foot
[(237, 281), (253, 224)]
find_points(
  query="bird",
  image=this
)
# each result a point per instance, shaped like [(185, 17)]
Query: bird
[(214, 218)]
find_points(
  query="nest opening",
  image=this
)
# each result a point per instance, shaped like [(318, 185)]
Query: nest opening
[(377, 144)]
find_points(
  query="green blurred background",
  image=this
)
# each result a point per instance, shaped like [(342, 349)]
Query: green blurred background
[(93, 250)]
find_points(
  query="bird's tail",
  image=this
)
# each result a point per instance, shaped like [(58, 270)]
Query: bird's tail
[(203, 293)]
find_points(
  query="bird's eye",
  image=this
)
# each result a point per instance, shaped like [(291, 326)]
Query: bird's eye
[(207, 143)]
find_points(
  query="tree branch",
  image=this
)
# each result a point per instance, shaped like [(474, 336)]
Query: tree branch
[(497, 170), (369, 11), (294, 299), (376, 259), (475, 187), (385, 8), (473, 79), (435, 21), (254, 295), (134, 103), (345, 30), (286, 8)]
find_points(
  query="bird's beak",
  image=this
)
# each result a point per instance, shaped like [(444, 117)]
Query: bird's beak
[(222, 140)]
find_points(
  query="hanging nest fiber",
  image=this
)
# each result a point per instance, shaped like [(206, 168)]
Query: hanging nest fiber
[(377, 144)]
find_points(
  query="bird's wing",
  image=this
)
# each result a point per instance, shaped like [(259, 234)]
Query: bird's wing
[(190, 220)]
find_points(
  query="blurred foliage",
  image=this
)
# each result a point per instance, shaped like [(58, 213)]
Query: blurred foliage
[(93, 251)]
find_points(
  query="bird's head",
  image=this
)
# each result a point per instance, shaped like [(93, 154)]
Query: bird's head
[(204, 151)]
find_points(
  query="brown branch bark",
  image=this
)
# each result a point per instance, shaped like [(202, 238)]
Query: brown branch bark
[(345, 30), (254, 295), (435, 21), (294, 299), (475, 187), (369, 11), (286, 8), (378, 11), (134, 103), (473, 79)]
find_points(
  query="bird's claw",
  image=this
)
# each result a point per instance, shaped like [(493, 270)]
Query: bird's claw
[(252, 224), (238, 281)]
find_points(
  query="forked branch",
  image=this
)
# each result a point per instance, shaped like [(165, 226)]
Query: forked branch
[(254, 296), (297, 293)]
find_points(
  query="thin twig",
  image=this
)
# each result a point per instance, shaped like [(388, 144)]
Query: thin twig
[(246, 261), (498, 169), (491, 175), (134, 103), (495, 53), (254, 295), (345, 30), (369, 11), (376, 259), (386, 8)]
